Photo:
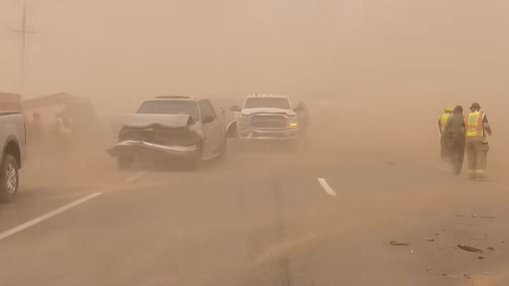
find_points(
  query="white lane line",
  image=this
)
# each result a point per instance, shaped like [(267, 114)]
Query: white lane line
[(135, 177), (42, 218), (326, 187)]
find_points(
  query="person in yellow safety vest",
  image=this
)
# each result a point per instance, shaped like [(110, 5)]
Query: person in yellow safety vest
[(477, 127), (442, 123)]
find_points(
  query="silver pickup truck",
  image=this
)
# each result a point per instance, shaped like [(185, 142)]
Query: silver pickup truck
[(12, 147), (171, 127)]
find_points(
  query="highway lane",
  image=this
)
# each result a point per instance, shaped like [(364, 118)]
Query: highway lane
[(264, 219)]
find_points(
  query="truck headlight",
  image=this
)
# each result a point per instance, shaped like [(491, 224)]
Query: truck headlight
[(293, 125)]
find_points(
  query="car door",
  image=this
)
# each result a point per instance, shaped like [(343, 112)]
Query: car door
[(210, 131)]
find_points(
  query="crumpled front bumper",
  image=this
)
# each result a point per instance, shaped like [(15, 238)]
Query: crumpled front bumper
[(132, 147)]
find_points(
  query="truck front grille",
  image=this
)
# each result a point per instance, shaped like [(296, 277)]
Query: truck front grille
[(268, 121)]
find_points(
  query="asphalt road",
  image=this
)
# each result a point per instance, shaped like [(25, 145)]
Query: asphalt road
[(323, 216)]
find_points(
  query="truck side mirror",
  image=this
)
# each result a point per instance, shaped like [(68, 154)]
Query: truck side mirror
[(300, 107)]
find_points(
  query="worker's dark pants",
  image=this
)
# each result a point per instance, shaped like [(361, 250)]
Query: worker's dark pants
[(444, 148), (456, 151)]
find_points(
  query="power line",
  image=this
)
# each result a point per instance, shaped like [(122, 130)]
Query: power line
[(24, 32)]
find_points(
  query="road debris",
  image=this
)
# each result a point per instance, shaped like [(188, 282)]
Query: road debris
[(482, 216), (429, 239), (445, 274), (467, 276), (480, 257), (397, 243), (491, 248), (469, 248)]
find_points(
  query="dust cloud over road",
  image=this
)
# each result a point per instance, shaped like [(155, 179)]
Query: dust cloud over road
[(375, 76)]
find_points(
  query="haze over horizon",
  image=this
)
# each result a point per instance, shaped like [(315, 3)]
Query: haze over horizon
[(126, 48)]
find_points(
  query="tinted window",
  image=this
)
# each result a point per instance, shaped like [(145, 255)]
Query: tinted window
[(170, 107), (267, 102)]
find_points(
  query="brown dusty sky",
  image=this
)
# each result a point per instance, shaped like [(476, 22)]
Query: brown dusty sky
[(231, 46), (410, 54)]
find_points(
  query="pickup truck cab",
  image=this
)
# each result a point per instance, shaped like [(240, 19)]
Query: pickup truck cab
[(268, 117), (171, 127), (12, 147)]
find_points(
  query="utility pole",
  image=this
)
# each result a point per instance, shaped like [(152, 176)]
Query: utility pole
[(24, 32)]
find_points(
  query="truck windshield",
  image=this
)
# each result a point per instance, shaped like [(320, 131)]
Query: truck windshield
[(267, 102), (170, 107)]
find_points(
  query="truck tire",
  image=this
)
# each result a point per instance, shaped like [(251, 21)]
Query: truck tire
[(9, 178), (222, 155), (194, 163)]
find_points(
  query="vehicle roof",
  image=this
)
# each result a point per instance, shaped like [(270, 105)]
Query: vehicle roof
[(266, 95), (174, 98)]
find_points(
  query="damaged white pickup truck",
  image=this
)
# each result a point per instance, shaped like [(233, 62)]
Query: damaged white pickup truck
[(171, 128)]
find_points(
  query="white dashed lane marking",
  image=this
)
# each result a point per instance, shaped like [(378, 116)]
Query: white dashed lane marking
[(326, 187)]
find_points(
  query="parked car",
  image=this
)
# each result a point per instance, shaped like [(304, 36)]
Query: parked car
[(171, 128), (13, 146), (268, 117)]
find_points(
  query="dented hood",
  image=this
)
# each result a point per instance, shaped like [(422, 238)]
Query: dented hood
[(145, 120)]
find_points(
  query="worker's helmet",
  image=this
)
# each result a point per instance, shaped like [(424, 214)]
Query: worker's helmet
[(475, 106), (448, 109)]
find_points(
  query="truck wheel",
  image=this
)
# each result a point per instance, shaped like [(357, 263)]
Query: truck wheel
[(9, 178), (194, 163), (125, 163), (222, 155)]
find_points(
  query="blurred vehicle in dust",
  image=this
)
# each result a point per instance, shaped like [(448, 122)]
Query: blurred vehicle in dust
[(12, 145), (265, 117), (171, 128)]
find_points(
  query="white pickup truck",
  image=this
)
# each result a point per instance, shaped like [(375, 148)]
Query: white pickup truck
[(268, 117), (12, 147)]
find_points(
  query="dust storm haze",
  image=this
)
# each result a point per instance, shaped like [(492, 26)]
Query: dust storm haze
[(405, 58), (375, 75)]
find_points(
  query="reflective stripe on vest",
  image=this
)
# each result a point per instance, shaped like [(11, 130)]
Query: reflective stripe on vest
[(443, 121), (474, 124)]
